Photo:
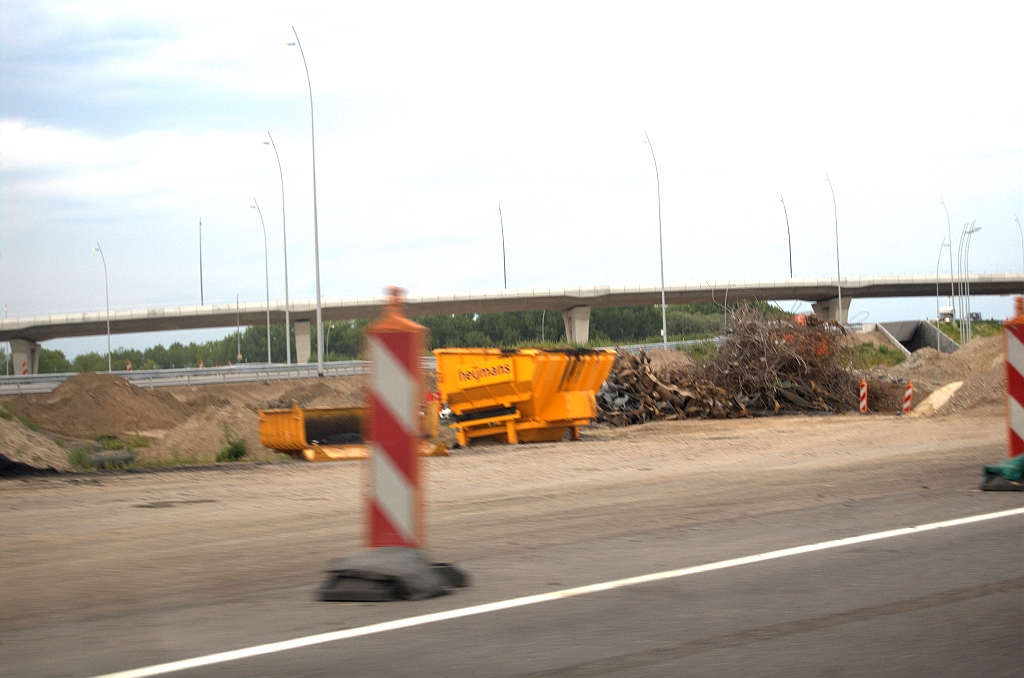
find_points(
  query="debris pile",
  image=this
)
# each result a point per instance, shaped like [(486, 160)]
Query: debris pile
[(763, 366)]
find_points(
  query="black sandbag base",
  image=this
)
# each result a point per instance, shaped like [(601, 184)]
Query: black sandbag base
[(994, 483), (389, 573)]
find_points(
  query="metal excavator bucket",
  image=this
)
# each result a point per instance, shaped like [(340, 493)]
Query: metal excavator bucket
[(330, 433)]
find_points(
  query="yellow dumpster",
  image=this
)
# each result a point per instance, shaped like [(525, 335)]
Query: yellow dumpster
[(329, 433), (527, 395)]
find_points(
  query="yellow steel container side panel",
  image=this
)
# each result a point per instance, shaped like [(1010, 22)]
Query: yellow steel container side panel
[(485, 373), (550, 390)]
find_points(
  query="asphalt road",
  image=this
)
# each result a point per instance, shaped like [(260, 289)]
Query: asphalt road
[(942, 602)]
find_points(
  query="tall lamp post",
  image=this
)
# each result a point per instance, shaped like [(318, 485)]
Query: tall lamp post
[(316, 232), (266, 262), (504, 269), (949, 235), (967, 277), (106, 289), (789, 237), (201, 302), (661, 250), (284, 229), (839, 278), (937, 262), (1017, 221)]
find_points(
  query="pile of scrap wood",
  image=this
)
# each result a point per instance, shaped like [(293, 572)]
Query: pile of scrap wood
[(762, 366)]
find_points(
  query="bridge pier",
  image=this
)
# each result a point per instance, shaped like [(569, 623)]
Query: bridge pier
[(829, 308), (302, 341), (577, 324), (25, 355)]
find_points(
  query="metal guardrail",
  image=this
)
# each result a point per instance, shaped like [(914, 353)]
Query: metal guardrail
[(233, 374)]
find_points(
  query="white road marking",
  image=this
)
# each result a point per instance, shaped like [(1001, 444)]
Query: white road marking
[(296, 643)]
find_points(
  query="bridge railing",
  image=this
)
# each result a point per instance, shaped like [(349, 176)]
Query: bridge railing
[(195, 376)]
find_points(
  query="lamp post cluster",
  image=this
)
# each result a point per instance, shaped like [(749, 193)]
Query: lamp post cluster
[(284, 227)]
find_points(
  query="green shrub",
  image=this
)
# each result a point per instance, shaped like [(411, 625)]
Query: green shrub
[(4, 414), (234, 448), (80, 458)]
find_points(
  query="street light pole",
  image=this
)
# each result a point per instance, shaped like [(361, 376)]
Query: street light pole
[(661, 250), (106, 289), (1017, 221), (504, 269), (284, 229), (201, 262), (316, 232), (839, 279), (949, 234), (937, 262), (789, 238), (238, 328), (967, 278), (266, 261)]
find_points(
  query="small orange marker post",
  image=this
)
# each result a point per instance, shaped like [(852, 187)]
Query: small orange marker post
[(908, 398), (863, 396)]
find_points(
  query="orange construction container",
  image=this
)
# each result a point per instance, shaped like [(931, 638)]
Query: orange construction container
[(527, 395), (330, 433)]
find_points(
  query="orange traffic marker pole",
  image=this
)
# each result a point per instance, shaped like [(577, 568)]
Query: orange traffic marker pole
[(908, 398), (1013, 337), (393, 565), (395, 502), (863, 396)]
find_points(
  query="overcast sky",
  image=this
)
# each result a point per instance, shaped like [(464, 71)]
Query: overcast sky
[(125, 124)]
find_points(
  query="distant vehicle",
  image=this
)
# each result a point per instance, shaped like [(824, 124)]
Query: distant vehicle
[(946, 314), (975, 317)]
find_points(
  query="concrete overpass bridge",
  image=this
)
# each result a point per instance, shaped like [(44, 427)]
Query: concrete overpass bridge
[(574, 304)]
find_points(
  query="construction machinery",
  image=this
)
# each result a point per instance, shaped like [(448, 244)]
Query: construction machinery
[(520, 395), (334, 433)]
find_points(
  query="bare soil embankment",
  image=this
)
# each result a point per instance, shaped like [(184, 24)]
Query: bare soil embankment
[(184, 424)]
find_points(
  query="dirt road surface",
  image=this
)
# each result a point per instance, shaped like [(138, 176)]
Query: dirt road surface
[(103, 572)]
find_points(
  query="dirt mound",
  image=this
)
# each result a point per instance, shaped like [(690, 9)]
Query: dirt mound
[(90, 405), (927, 364), (230, 410), (979, 364), (665, 362), (20, 444)]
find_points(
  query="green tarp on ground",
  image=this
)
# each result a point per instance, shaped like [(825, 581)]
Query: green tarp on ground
[(1011, 469)]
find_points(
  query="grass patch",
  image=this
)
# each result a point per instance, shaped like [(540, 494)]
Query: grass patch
[(865, 356), (234, 448), (702, 352), (80, 458), (115, 443), (979, 330), (8, 413)]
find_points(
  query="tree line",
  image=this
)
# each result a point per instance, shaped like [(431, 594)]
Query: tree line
[(343, 339)]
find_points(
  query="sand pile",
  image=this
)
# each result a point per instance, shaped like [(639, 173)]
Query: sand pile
[(230, 410), (979, 364), (20, 444), (90, 405), (665, 362)]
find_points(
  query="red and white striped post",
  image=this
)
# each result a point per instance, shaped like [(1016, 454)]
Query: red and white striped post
[(1013, 334), (908, 398), (394, 502), (863, 396)]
